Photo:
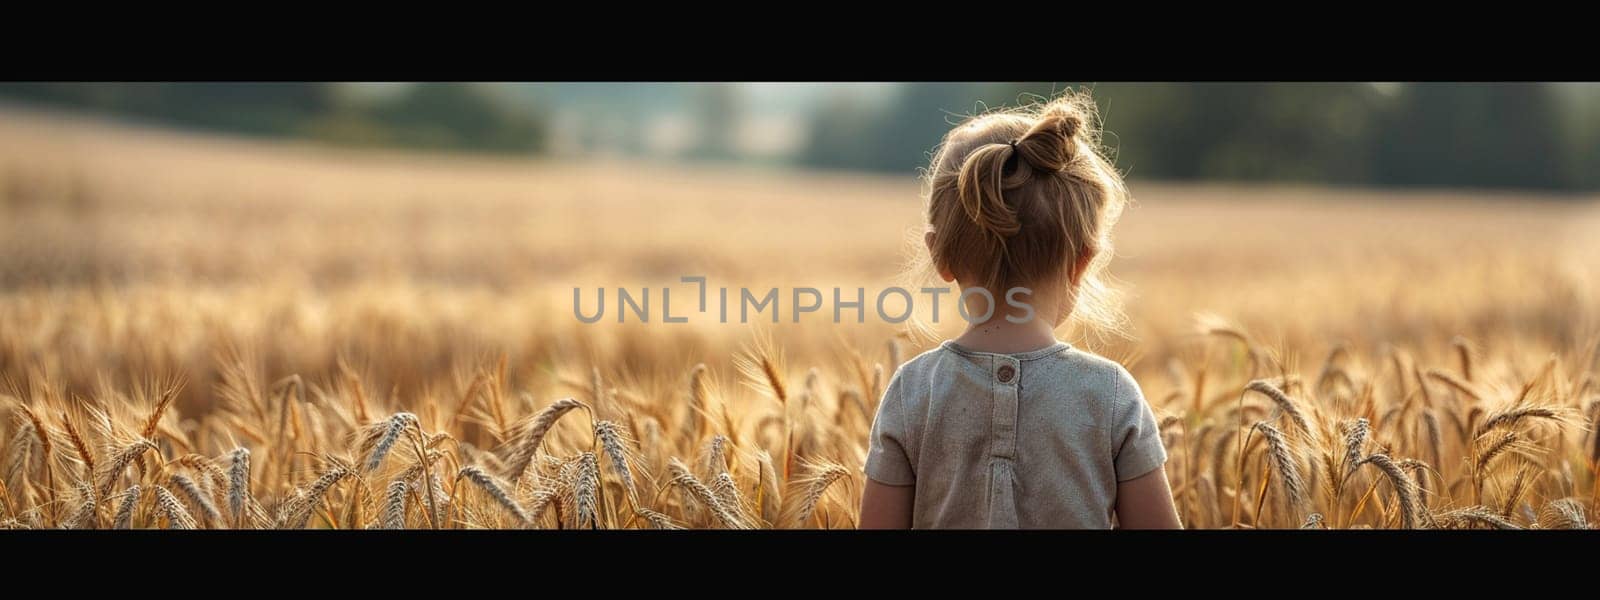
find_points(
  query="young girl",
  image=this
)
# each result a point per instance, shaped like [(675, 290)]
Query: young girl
[(1005, 426)]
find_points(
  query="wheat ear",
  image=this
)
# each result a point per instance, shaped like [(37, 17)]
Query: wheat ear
[(686, 480), (810, 489), (534, 431), (170, 507), (208, 509), (238, 484), (120, 461), (1405, 489), (124, 516), (1284, 403), (394, 504), (497, 492)]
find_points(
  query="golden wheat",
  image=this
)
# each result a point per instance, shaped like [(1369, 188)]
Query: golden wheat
[(388, 342)]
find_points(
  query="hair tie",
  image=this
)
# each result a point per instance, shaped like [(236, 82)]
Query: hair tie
[(1013, 144)]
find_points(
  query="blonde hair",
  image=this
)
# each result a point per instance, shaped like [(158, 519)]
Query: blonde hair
[(1019, 197)]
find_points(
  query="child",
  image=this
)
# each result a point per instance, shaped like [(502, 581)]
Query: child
[(1005, 426)]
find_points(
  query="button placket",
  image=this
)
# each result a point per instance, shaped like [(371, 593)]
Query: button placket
[(1004, 417), (1003, 444)]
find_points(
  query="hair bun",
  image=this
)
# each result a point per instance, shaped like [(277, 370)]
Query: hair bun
[(1052, 143)]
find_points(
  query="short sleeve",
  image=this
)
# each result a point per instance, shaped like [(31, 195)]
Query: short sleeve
[(1137, 435), (887, 461)]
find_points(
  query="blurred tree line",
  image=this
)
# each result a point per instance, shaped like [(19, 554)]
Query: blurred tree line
[(1513, 135), (1522, 135), (454, 116)]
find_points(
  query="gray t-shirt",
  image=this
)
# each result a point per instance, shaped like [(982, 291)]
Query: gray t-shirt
[(1027, 440)]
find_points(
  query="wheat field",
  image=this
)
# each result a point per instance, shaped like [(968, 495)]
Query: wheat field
[(202, 332)]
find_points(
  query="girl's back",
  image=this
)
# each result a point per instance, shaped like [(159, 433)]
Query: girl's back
[(1036, 439)]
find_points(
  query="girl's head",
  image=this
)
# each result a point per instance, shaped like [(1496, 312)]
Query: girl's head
[(1023, 198)]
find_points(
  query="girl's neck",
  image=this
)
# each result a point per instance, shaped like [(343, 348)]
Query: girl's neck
[(1000, 336)]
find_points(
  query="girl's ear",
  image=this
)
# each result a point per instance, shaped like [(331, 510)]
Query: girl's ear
[(1083, 266), (944, 273)]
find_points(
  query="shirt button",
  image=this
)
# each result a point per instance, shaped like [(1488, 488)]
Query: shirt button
[(1005, 373)]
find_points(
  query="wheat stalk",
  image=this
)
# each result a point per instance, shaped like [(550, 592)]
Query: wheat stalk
[(394, 504), (1510, 416), (214, 477), (120, 461), (87, 516), (1209, 504), (585, 482), (1283, 462), (208, 509), (694, 422), (716, 459), (534, 430), (297, 511), (540, 501), (1464, 351), (1494, 449), (124, 516), (1404, 488), (43, 437), (612, 442), (1283, 402), (238, 484), (727, 493), (497, 492), (1565, 513), (1456, 384), (152, 423), (168, 505), (396, 426), (697, 490), (1473, 515), (39, 431), (657, 520), (1356, 432), (774, 379), (810, 490), (1519, 487), (1435, 438), (79, 444), (771, 496), (1313, 521)]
